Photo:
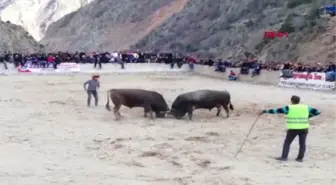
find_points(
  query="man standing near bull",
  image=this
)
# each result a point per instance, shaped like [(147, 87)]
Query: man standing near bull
[(297, 118), (91, 87)]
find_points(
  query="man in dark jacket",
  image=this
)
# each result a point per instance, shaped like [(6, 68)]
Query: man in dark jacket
[(17, 59), (97, 60), (2, 60)]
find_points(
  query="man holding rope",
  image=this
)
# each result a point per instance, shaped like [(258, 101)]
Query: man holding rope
[(297, 118)]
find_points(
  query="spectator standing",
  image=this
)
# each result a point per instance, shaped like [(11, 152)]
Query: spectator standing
[(2, 60), (97, 60), (51, 61), (331, 72)]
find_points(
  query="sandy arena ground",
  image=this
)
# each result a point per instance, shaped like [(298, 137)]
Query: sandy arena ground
[(49, 136)]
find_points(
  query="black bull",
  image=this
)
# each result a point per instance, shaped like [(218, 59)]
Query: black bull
[(201, 99), (151, 101)]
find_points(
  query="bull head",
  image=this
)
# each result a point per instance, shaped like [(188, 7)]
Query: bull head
[(167, 113), (177, 114), (162, 114)]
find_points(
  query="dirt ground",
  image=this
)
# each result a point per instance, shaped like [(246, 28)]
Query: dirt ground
[(49, 136)]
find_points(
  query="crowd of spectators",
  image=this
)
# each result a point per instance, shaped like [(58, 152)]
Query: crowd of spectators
[(246, 66), (329, 69), (270, 66), (255, 67), (42, 60)]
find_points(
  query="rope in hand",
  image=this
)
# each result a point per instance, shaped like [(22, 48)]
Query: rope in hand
[(241, 147)]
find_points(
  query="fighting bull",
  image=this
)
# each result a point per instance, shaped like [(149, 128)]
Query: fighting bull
[(201, 99), (151, 101)]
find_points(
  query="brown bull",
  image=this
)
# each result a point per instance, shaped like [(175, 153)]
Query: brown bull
[(151, 101)]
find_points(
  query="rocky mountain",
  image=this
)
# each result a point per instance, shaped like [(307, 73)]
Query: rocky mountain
[(36, 15), (222, 28), (321, 46), (235, 29), (110, 24), (14, 38)]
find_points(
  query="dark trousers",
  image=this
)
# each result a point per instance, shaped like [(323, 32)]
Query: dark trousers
[(97, 62), (122, 65), (17, 63), (290, 136), (5, 64), (179, 64), (94, 94)]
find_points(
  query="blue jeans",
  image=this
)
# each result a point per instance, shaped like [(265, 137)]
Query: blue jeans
[(232, 78), (287, 73), (330, 76), (43, 64), (191, 66)]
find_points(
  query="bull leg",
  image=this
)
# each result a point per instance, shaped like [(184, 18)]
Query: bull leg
[(116, 112), (149, 110), (146, 110), (226, 108), (145, 113), (219, 109), (190, 111)]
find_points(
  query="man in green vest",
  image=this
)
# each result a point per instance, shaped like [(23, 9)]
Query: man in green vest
[(297, 118)]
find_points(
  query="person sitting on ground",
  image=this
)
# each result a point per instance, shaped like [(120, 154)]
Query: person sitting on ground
[(233, 76)]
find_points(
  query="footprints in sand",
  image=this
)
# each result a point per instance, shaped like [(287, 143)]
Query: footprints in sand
[(57, 102), (10, 100), (148, 152)]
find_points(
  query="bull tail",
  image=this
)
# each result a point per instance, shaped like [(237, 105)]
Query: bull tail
[(231, 106), (107, 106)]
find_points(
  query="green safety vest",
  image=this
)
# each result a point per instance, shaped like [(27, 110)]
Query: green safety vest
[(297, 117)]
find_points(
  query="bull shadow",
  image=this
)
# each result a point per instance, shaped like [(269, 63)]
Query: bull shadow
[(205, 115), (130, 115)]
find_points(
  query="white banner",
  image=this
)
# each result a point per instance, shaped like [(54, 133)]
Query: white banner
[(68, 67), (315, 81), (61, 68)]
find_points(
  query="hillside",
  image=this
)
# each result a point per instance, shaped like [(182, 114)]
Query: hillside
[(235, 29), (322, 47), (36, 15), (217, 28), (14, 38), (109, 24)]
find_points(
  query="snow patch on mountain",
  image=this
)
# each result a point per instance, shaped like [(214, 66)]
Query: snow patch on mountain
[(36, 15)]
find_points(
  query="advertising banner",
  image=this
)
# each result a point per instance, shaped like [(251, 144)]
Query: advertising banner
[(61, 68), (305, 80)]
